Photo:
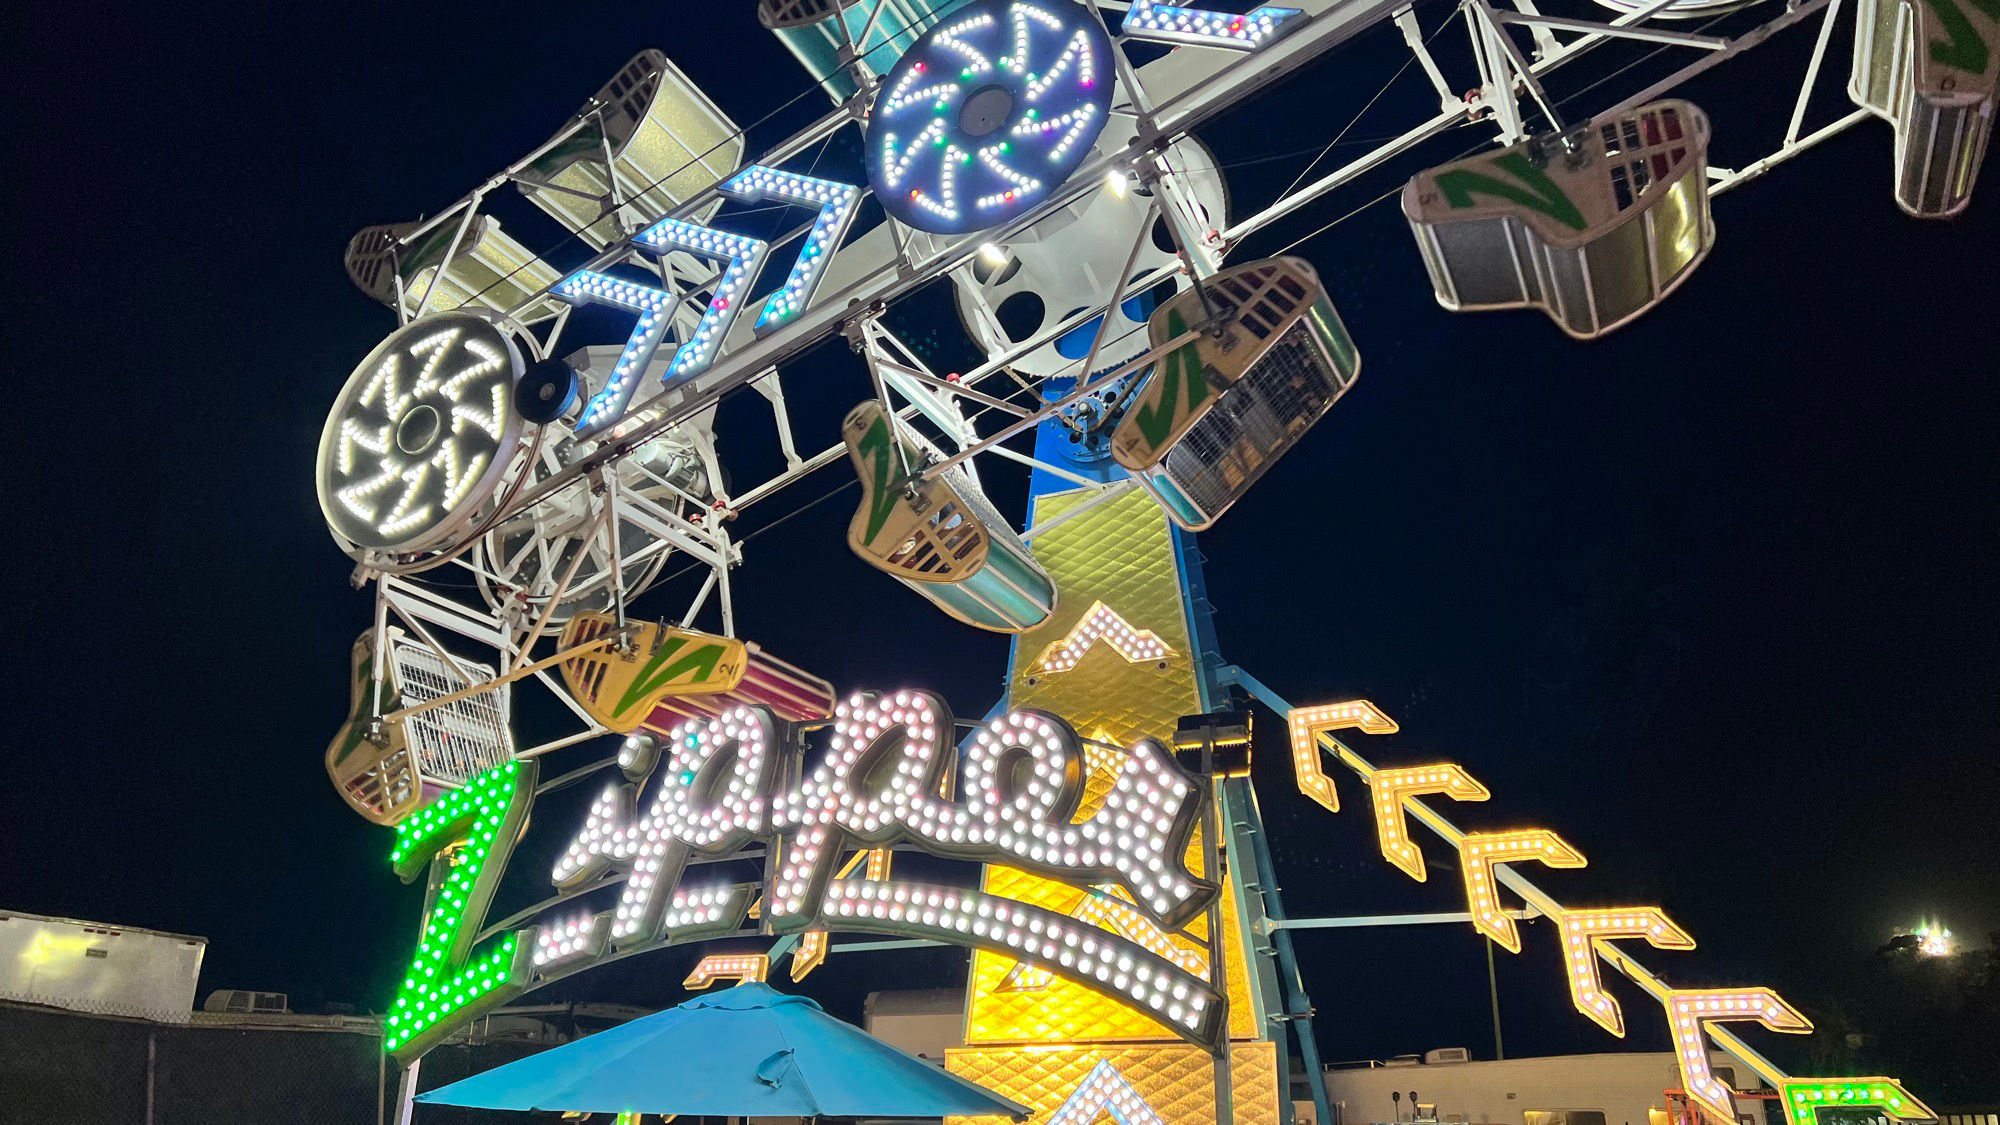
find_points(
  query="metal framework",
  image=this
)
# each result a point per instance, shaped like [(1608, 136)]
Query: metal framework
[(598, 522), (608, 484)]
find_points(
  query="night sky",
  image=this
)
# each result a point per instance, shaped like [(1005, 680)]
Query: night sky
[(1714, 597)]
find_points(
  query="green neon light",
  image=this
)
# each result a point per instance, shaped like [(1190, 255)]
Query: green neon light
[(472, 831), (1804, 1098)]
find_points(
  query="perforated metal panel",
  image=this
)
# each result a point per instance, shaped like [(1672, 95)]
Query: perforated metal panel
[(1281, 359), (456, 740), (490, 270)]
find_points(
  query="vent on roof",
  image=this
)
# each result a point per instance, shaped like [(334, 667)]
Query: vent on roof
[(246, 1002)]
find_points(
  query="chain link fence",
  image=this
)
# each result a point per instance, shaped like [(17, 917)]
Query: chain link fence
[(63, 1068)]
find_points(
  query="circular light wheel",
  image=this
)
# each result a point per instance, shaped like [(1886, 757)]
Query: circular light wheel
[(420, 439), (989, 112)]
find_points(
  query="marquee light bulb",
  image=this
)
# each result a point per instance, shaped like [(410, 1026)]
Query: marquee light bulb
[(994, 107), (1029, 823), (1100, 623), (838, 203), (422, 429), (654, 849), (1308, 723), (1804, 1098), (1393, 789), (1690, 1011), (1101, 908), (1479, 853), (1078, 952), (447, 976), (655, 309), (1584, 933), (746, 968), (1169, 23), (1104, 1091)]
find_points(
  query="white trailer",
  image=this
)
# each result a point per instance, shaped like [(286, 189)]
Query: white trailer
[(98, 968), (1620, 1088)]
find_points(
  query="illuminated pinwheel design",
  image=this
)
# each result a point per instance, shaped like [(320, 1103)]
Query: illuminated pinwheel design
[(421, 436), (988, 113)]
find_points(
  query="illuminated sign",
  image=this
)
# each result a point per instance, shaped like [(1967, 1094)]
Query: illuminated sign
[(988, 112), (889, 773), (421, 435), (1168, 23), (1586, 934)]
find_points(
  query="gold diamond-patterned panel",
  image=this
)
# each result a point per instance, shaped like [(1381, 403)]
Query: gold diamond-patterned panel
[(1122, 554), (1063, 1011), (1176, 1080)]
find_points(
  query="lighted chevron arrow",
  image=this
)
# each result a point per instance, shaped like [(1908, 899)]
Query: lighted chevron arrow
[(809, 954), (1480, 852), (746, 968), (1104, 1090), (1690, 1011), (1584, 931), (1100, 623), (1394, 788), (1308, 723), (1170, 23), (1099, 907), (1805, 1097)]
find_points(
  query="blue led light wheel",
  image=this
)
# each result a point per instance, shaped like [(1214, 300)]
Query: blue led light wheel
[(989, 112)]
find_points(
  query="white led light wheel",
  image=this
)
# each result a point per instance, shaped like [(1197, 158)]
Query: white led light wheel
[(989, 112), (420, 440)]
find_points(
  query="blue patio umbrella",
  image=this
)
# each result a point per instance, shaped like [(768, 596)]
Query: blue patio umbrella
[(748, 1051)]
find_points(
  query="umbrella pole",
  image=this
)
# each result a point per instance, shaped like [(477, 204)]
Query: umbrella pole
[(406, 1092), (1211, 854)]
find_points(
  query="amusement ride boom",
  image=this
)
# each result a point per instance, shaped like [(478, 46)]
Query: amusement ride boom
[(1040, 157)]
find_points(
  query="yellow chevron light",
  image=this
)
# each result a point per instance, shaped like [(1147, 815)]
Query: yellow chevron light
[(1308, 723), (1393, 787), (1480, 852), (1690, 1011), (745, 968), (1100, 623), (1805, 1097), (809, 954), (1585, 930)]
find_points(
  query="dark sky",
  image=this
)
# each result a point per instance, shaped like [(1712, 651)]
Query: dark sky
[(1714, 597)]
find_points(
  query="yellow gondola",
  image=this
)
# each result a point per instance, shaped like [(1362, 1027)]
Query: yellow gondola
[(385, 768)]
